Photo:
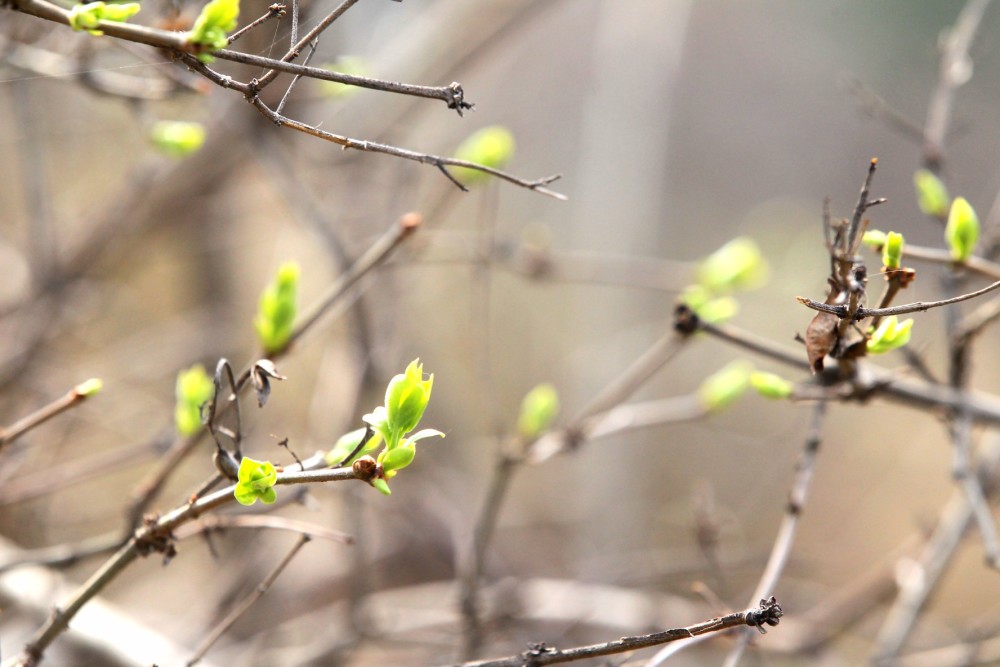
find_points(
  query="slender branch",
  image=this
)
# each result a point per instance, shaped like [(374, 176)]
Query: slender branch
[(72, 398), (918, 306), (438, 161), (853, 232), (274, 11), (782, 548), (766, 612), (373, 257), (245, 604), (954, 69), (974, 263), (223, 522)]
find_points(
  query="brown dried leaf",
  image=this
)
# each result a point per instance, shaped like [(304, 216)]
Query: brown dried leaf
[(821, 337)]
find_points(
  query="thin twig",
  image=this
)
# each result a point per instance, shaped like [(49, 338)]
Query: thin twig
[(219, 523), (954, 69), (247, 602), (785, 539), (767, 611), (74, 397), (918, 306), (438, 161), (274, 11)]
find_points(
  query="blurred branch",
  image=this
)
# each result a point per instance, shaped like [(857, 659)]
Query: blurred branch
[(74, 397), (767, 612), (245, 604)]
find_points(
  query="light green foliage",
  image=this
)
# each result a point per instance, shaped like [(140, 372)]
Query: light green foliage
[(212, 27), (738, 265), (770, 385), (491, 146), (256, 481), (962, 231), (86, 16), (88, 388), (538, 410), (406, 398), (892, 250), (353, 65), (874, 239), (891, 334), (932, 195), (725, 386), (194, 387), (276, 309), (177, 138)]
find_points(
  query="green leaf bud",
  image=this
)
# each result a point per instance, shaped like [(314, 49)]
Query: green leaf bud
[(406, 399), (381, 485), (874, 239), (177, 138), (962, 231), (211, 28), (194, 387), (892, 250), (256, 481), (276, 309), (932, 195), (725, 386), (88, 388), (738, 265), (88, 16), (491, 146), (891, 334), (538, 410), (770, 385), (348, 442), (393, 460)]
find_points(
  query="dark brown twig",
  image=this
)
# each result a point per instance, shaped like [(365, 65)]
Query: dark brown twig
[(861, 313)]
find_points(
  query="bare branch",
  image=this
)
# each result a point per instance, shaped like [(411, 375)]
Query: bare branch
[(919, 306)]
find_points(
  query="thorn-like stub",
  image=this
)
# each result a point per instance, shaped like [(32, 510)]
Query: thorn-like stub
[(410, 221)]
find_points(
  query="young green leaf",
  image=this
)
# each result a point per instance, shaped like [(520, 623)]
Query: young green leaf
[(177, 138), (87, 16), (892, 251), (211, 29), (891, 334), (538, 410), (770, 385), (277, 308), (962, 231), (256, 481), (194, 387), (491, 146), (406, 398), (725, 386), (88, 388), (874, 239), (738, 265), (932, 195)]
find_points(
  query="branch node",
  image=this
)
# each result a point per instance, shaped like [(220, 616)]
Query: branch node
[(455, 97), (767, 612)]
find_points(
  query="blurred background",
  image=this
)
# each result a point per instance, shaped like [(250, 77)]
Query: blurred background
[(676, 126)]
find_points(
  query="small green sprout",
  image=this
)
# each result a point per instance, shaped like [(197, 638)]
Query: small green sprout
[(874, 239), (177, 138), (406, 398), (194, 387), (891, 334), (256, 481), (962, 231), (88, 388), (725, 385), (491, 146), (738, 265), (88, 16), (212, 27), (276, 309), (932, 195), (770, 385), (538, 410), (353, 65), (892, 250), (709, 308)]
